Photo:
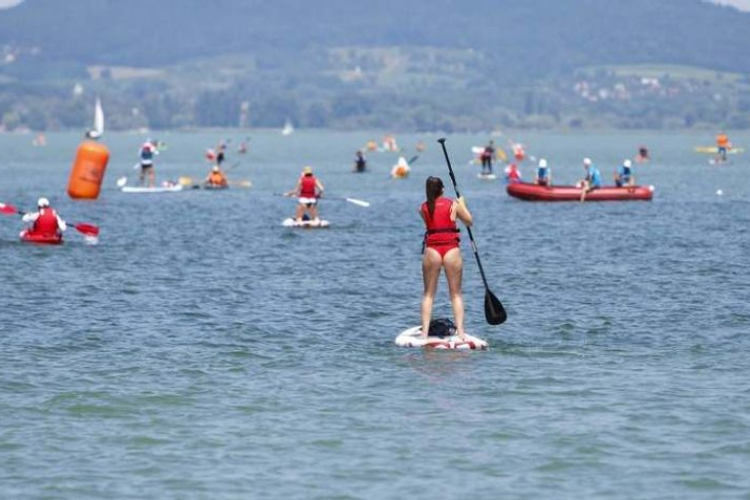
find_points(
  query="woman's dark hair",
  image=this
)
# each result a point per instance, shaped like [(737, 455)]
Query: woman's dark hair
[(433, 188)]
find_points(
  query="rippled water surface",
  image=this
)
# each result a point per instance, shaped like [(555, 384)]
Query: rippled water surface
[(200, 350)]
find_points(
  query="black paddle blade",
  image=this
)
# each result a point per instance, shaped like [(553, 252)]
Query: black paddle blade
[(494, 311)]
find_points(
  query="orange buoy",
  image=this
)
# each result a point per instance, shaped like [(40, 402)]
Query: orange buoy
[(88, 170)]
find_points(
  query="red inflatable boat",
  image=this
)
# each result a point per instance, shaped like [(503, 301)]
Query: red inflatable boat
[(532, 192), (41, 239)]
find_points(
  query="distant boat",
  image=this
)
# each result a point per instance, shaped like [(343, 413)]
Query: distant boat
[(98, 129), (288, 128), (40, 140)]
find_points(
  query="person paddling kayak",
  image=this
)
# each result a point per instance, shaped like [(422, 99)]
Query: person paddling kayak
[(441, 250), (512, 174), (44, 223), (307, 190), (401, 169), (216, 178)]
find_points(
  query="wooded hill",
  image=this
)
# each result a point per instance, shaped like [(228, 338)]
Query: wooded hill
[(411, 63)]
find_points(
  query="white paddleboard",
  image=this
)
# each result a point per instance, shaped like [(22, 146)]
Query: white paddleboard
[(412, 337), (308, 224), (487, 177), (155, 189)]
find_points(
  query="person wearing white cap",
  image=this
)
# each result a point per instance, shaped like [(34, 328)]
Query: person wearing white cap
[(307, 190), (593, 179), (543, 175), (624, 175), (45, 221), (216, 178)]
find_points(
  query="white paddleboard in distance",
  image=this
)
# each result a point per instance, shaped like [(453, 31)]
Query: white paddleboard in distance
[(307, 224), (487, 177), (412, 337), (154, 189)]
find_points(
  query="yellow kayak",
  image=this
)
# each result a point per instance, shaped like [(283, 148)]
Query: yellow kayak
[(712, 150)]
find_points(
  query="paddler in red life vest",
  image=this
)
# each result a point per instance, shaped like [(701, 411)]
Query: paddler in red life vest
[(45, 222), (307, 190), (518, 151), (442, 250), (512, 174)]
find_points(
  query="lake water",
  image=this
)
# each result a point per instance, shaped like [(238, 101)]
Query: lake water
[(200, 350)]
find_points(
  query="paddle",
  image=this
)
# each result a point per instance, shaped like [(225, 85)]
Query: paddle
[(355, 201), (232, 166), (86, 229), (361, 203), (494, 312)]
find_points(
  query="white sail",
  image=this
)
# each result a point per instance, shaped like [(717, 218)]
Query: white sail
[(288, 128), (98, 130), (98, 118)]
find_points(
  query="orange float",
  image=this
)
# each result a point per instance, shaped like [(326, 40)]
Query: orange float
[(88, 170)]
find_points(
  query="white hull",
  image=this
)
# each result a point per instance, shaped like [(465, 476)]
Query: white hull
[(412, 337)]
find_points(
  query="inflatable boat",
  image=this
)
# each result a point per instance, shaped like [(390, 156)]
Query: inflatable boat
[(532, 192)]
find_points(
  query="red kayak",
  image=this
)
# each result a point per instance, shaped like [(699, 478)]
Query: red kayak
[(41, 239), (532, 192)]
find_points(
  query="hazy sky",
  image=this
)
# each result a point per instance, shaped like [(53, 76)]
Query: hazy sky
[(4, 4), (740, 4)]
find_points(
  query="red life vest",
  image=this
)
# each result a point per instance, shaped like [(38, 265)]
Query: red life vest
[(441, 230), (513, 173), (46, 223), (307, 188)]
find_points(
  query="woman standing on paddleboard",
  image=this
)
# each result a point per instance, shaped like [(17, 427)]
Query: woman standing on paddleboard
[(442, 250)]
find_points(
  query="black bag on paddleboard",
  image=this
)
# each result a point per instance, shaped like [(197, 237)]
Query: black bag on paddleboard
[(442, 328)]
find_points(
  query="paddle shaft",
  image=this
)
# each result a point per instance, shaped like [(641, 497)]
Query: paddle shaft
[(355, 201), (87, 229), (468, 229)]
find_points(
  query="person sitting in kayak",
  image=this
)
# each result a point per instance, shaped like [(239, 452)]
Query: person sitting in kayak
[(441, 250), (45, 222), (486, 156), (593, 179), (307, 190), (360, 164), (723, 146), (543, 175), (512, 174), (624, 174), (401, 169), (216, 178), (147, 153)]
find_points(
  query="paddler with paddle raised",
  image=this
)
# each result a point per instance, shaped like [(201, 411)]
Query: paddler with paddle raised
[(46, 225), (307, 191), (442, 250)]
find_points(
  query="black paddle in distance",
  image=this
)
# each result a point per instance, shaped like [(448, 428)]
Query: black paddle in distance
[(494, 311)]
